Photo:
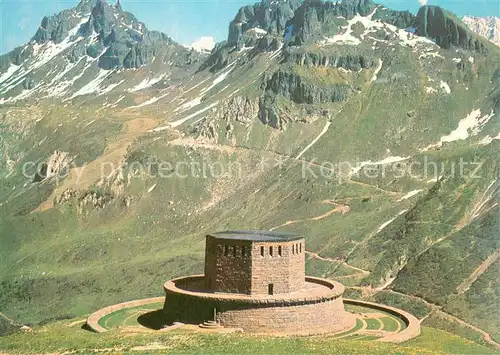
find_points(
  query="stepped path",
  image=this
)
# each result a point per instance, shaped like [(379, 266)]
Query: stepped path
[(83, 177)]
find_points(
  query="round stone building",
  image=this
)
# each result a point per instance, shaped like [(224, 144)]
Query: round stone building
[(255, 280)]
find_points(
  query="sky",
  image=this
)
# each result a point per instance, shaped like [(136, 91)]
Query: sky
[(185, 20)]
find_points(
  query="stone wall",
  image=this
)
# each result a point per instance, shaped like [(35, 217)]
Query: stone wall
[(325, 316), (286, 272), (93, 319), (412, 329), (308, 313), (254, 268), (228, 265)]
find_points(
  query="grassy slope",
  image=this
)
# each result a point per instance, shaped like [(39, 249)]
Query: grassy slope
[(70, 260), (59, 337)]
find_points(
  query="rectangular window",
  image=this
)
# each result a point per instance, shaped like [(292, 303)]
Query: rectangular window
[(300, 246), (270, 289), (271, 251), (279, 250), (243, 251), (234, 251), (226, 250), (293, 249), (261, 251)]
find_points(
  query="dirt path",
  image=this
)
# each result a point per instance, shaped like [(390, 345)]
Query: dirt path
[(337, 261), (481, 269), (83, 177), (11, 321), (438, 309), (325, 129), (339, 208), (392, 193), (434, 308)]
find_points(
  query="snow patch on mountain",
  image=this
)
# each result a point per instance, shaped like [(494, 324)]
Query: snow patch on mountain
[(389, 221), (199, 112), (388, 160), (146, 83), (444, 85), (377, 70), (488, 139), (467, 127), (259, 32), (325, 129), (110, 87), (405, 38), (220, 78), (410, 195), (43, 54), (190, 104), (93, 86), (10, 71)]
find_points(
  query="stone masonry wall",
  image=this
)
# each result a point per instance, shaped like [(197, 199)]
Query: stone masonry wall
[(228, 266), (237, 266), (319, 311), (307, 319), (324, 315), (286, 272)]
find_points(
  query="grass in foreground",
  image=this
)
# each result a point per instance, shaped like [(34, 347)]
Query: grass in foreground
[(59, 337), (432, 338)]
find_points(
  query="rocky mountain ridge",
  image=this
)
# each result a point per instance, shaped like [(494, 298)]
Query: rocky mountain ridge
[(488, 27), (73, 52), (313, 115)]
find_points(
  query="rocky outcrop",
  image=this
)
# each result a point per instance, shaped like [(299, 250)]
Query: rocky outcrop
[(446, 29), (29, 83), (125, 41), (219, 57), (316, 19), (268, 16), (335, 60), (57, 165), (302, 91), (488, 27), (239, 109), (261, 25), (94, 199), (401, 19)]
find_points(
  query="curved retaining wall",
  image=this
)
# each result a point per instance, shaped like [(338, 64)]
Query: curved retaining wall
[(93, 319), (319, 311), (412, 329)]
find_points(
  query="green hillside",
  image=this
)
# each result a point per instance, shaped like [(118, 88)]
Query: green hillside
[(380, 147)]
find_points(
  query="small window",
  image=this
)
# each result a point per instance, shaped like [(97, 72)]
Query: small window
[(243, 251), (226, 250), (300, 246), (271, 251), (293, 249), (261, 251), (270, 289), (234, 251), (279, 250)]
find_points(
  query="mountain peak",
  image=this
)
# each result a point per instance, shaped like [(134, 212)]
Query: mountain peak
[(488, 27), (446, 29)]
